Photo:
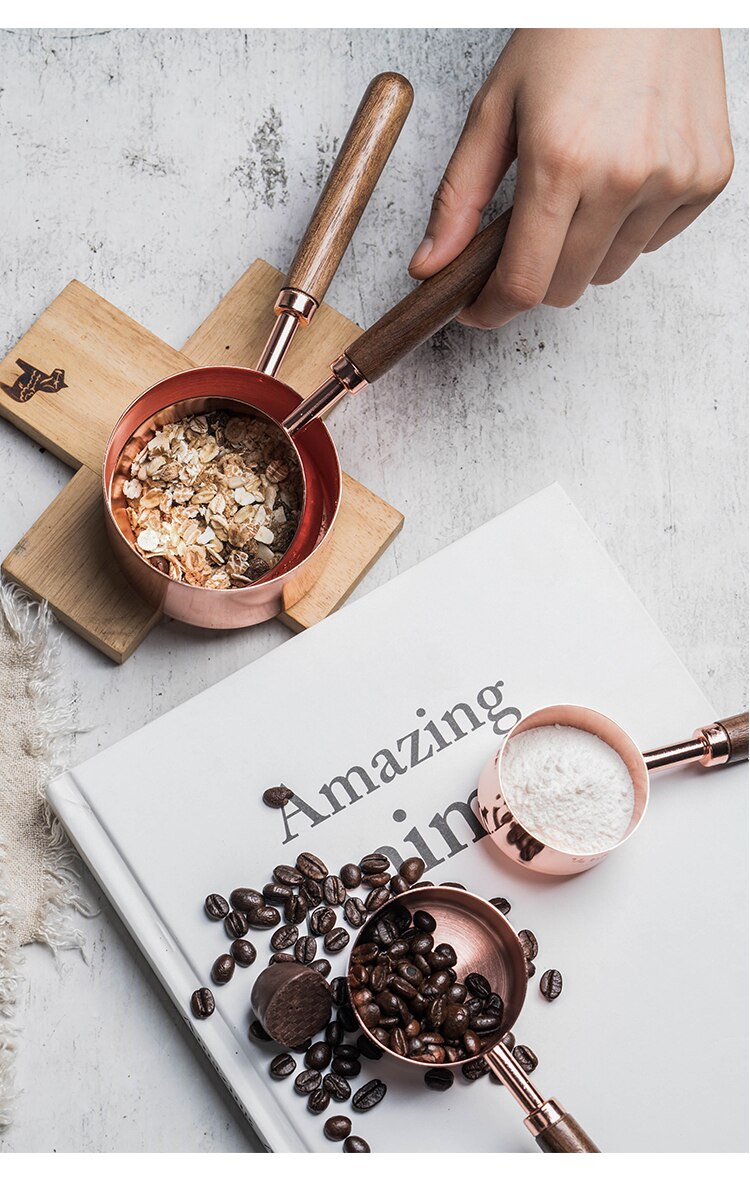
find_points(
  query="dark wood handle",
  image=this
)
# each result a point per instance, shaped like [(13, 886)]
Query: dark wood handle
[(366, 149), (736, 729), (565, 1136), (433, 304)]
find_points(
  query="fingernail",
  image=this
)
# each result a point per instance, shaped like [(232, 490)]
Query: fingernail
[(422, 253)]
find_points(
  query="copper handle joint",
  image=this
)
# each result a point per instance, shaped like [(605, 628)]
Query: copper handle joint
[(718, 745), (345, 379), (710, 746), (293, 309), (544, 1117)]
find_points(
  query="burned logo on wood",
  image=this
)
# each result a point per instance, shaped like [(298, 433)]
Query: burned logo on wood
[(32, 381)]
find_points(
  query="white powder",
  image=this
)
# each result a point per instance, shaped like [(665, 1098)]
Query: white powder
[(568, 787)]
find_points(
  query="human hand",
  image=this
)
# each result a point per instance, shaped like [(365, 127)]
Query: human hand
[(622, 140)]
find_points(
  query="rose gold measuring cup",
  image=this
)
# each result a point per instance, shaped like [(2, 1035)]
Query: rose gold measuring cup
[(368, 144), (715, 745), (485, 942)]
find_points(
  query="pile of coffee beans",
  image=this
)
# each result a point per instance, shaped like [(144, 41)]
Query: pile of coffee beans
[(405, 986), (408, 993)]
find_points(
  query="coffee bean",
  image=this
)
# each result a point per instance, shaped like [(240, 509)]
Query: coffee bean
[(245, 899), (474, 1005), (370, 1015), (351, 1051), (336, 940), (412, 869), (529, 944), (257, 1031), (346, 1067), (456, 1020), (305, 950), (307, 1081), (282, 1066), (551, 984), (222, 969), (477, 1067), (366, 951), (334, 892), (438, 1079), (277, 893), (501, 904), (337, 1087), (424, 922), (334, 1033), (311, 866), (377, 898), (446, 951), (355, 1144), (243, 952), (471, 1042), (398, 885), (216, 906), (348, 1019), (398, 949), (289, 876), (526, 1058), (323, 966), (318, 1101), (448, 883), (384, 931), (494, 1005), (374, 864), (339, 992), (361, 997), (355, 912), (530, 969), (277, 797), (338, 1127), (284, 937), (295, 909), (509, 1041), (322, 920), (264, 917), (401, 987), (485, 1022), (281, 957), (478, 985), (311, 890), (369, 1095), (423, 944), (202, 1003), (399, 1043), (456, 993), (368, 1048), (236, 924), (350, 875), (381, 880), (318, 1056)]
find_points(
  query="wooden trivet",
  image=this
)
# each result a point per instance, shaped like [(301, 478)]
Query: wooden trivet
[(66, 383)]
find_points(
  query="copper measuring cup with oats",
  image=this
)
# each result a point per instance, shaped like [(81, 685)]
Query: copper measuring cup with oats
[(257, 394), (486, 942), (715, 745)]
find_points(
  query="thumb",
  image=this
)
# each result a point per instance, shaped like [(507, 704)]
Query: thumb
[(479, 162)]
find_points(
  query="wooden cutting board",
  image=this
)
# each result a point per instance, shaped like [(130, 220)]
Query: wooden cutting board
[(66, 383)]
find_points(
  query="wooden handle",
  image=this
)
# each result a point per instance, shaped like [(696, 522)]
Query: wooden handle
[(366, 149), (736, 730), (433, 304), (565, 1136)]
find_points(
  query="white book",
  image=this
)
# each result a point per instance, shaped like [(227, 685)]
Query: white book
[(526, 611)]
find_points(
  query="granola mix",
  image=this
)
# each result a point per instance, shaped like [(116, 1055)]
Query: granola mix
[(214, 500)]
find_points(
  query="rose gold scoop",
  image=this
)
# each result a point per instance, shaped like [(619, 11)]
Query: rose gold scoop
[(486, 943), (723, 742)]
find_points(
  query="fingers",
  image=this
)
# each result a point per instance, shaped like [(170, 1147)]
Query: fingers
[(479, 162), (631, 240), (542, 213), (674, 225)]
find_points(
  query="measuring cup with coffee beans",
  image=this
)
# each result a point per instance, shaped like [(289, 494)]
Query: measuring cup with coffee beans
[(438, 979)]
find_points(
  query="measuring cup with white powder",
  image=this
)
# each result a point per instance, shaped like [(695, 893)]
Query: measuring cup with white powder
[(568, 784)]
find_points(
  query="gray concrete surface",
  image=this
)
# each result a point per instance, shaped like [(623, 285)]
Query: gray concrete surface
[(154, 166)]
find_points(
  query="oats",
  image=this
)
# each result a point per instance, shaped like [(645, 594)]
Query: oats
[(148, 540), (132, 489), (214, 499)]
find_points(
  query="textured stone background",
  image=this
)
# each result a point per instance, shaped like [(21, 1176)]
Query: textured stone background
[(154, 165)]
